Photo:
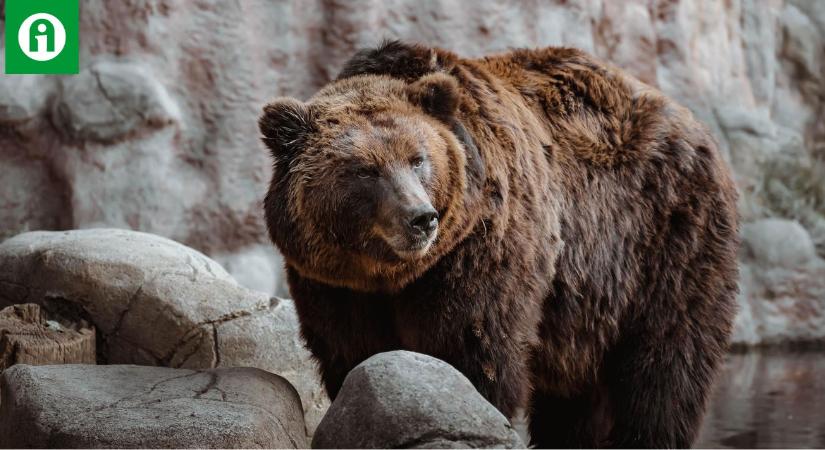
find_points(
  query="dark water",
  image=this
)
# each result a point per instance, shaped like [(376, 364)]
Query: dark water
[(768, 400)]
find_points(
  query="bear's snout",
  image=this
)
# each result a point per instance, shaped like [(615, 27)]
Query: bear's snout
[(407, 220), (423, 220), (412, 231)]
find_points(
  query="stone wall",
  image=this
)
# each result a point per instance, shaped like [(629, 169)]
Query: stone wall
[(158, 131)]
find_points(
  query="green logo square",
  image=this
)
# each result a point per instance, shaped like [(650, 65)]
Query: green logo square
[(42, 36)]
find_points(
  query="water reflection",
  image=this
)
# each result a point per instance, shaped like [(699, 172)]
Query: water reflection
[(768, 400)]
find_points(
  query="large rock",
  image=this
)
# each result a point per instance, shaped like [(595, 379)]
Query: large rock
[(272, 340), (79, 406), (157, 302), (408, 400)]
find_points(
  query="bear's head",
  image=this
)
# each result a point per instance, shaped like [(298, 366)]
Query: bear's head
[(371, 181)]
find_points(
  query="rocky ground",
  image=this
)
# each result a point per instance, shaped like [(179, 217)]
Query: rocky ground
[(156, 302), (119, 338)]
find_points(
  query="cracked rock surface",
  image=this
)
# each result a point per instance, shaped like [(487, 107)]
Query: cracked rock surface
[(403, 399), (156, 302), (124, 406)]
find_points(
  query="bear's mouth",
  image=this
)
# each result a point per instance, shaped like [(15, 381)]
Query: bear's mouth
[(410, 246), (415, 251)]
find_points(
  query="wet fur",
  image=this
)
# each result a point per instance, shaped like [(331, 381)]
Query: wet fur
[(585, 267)]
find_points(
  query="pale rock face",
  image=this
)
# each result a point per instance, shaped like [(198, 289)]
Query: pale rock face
[(254, 267), (158, 132), (778, 242), (24, 97), (156, 302), (782, 285), (109, 101)]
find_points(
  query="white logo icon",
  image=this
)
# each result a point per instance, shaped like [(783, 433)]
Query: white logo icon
[(41, 37)]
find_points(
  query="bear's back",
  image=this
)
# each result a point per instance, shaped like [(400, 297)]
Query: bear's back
[(596, 112)]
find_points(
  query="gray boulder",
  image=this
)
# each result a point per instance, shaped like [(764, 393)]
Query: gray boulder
[(80, 406), (156, 302), (408, 400)]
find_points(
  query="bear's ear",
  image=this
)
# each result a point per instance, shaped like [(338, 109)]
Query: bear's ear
[(285, 125), (437, 94)]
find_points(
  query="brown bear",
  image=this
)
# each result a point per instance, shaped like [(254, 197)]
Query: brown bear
[(559, 232)]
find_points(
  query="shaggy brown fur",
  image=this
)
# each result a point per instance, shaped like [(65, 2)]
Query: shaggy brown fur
[(584, 265)]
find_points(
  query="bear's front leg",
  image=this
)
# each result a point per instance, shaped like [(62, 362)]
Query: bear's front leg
[(341, 327), (484, 325), (495, 361)]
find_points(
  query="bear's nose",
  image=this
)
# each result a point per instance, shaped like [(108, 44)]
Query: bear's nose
[(424, 219)]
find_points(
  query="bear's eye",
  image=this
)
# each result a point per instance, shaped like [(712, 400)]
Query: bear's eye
[(366, 172), (417, 162)]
